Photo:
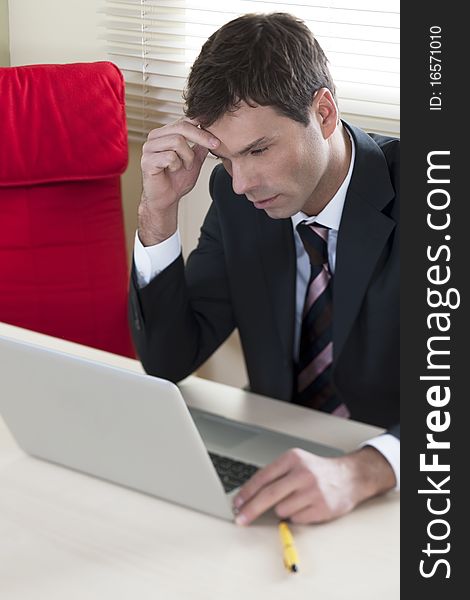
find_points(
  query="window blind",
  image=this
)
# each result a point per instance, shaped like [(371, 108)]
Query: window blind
[(154, 43)]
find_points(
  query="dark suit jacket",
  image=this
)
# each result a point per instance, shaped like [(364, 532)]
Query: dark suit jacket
[(242, 274)]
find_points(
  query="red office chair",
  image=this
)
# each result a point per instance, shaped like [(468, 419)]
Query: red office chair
[(63, 147)]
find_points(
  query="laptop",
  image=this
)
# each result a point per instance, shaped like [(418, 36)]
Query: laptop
[(131, 429)]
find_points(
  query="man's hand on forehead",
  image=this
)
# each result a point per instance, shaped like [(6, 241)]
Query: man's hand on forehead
[(190, 129), (172, 158)]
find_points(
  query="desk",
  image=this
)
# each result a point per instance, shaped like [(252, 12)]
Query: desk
[(64, 535)]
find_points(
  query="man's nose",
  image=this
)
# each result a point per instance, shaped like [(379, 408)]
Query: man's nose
[(243, 180)]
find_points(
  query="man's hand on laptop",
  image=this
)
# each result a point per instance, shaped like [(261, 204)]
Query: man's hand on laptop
[(307, 488)]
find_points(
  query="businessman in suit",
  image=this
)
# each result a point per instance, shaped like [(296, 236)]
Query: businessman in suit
[(299, 251)]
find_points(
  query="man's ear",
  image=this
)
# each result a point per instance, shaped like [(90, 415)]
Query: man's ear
[(325, 109)]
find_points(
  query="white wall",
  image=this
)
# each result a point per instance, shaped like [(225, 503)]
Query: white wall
[(43, 31), (4, 35), (64, 31)]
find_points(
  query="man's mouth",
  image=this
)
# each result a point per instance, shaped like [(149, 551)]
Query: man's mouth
[(265, 202)]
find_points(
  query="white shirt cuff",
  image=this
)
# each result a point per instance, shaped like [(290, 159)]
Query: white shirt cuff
[(151, 260), (389, 446)]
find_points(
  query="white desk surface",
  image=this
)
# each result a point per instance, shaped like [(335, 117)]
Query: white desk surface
[(64, 535)]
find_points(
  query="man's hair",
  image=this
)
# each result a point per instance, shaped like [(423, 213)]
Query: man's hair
[(261, 59)]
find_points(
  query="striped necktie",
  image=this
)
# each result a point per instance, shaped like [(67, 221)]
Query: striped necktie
[(314, 385)]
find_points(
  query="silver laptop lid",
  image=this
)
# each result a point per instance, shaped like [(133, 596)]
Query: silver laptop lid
[(125, 427)]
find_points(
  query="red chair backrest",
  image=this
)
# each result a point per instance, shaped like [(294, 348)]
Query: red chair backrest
[(63, 147)]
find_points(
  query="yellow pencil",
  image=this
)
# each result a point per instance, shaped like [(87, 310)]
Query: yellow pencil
[(291, 559)]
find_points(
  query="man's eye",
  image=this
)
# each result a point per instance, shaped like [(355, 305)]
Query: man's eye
[(259, 151)]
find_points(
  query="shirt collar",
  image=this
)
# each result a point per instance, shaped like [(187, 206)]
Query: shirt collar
[(330, 216)]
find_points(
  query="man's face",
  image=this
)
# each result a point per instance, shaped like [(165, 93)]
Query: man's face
[(278, 163)]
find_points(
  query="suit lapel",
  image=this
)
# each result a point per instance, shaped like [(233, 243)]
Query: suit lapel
[(363, 233)]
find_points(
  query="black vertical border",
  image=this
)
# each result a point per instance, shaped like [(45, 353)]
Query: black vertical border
[(422, 131)]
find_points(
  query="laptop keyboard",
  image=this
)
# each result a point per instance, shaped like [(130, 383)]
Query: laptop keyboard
[(232, 473)]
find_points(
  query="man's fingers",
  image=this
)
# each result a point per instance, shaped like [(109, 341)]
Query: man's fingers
[(175, 142), (310, 514), (261, 478), (163, 160), (200, 153), (296, 503), (192, 121), (176, 145), (189, 131), (269, 496)]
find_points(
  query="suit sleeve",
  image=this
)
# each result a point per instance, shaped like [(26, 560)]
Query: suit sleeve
[(185, 313)]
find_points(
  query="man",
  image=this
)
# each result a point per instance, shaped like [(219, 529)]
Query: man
[(317, 316)]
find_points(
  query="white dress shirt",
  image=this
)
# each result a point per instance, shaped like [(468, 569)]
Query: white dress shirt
[(151, 260)]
